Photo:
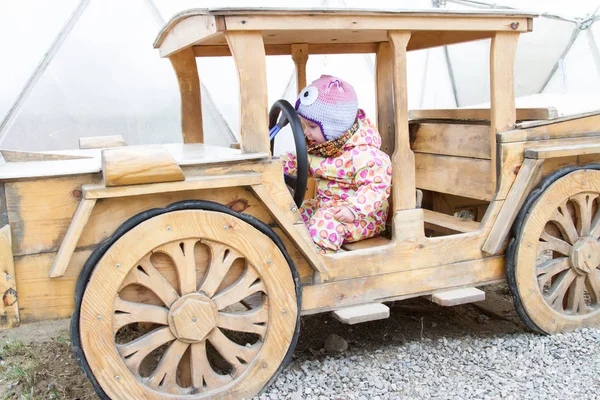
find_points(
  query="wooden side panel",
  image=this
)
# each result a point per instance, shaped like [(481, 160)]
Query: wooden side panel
[(9, 308), (482, 114), (468, 177), (451, 139), (566, 127), (184, 64), (248, 52), (137, 165), (384, 92)]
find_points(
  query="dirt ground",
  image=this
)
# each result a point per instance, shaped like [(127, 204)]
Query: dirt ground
[(37, 362)]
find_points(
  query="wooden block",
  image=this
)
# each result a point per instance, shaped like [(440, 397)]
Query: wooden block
[(362, 313), (136, 165), (458, 296), (367, 243), (9, 308), (99, 142)]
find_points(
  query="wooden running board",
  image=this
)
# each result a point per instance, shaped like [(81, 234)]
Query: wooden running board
[(458, 296), (363, 313)]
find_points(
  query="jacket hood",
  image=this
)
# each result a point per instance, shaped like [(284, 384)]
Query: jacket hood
[(366, 135)]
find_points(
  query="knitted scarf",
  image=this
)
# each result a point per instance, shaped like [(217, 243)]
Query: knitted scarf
[(333, 147)]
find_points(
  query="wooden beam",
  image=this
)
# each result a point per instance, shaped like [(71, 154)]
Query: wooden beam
[(525, 181), (28, 156), (384, 93), (403, 159), (286, 49), (502, 89), (185, 33), (563, 151), (572, 126), (184, 64), (482, 114), (67, 248), (449, 224), (99, 142), (249, 55), (300, 57), (9, 308)]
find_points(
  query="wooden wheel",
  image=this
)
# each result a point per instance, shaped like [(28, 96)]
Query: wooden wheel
[(557, 257), (188, 304)]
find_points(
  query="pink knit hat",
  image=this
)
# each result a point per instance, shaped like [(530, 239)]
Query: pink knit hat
[(330, 103)]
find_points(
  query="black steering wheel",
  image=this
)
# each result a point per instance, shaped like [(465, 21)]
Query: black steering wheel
[(288, 115)]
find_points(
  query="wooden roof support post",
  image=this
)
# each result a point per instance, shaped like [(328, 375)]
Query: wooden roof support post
[(384, 89), (502, 89), (300, 57), (403, 160), (248, 50), (184, 64)]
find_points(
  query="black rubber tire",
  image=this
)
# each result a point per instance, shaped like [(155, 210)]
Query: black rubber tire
[(90, 264), (516, 233)]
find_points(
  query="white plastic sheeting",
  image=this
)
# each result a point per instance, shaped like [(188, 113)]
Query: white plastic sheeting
[(87, 68)]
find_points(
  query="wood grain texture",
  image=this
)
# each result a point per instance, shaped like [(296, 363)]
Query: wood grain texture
[(482, 114), (9, 308), (502, 91), (572, 126), (515, 199), (73, 235), (139, 165), (467, 177), (184, 64), (99, 142), (403, 159), (563, 151), (384, 93), (451, 139), (249, 55)]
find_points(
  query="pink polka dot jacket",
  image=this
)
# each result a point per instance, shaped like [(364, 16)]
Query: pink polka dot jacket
[(360, 178)]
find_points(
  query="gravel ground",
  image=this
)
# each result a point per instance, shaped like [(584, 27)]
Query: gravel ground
[(424, 351)]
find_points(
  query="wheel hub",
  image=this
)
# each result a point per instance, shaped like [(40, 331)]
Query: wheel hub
[(585, 255), (192, 317)]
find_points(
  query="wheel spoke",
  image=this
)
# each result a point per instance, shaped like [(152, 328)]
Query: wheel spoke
[(549, 242), (146, 275), (184, 258), (127, 312), (550, 268), (575, 301), (221, 259), (251, 321), (593, 285), (134, 352), (558, 290), (164, 376), (564, 221), (237, 356), (202, 372), (595, 226), (584, 202), (246, 285)]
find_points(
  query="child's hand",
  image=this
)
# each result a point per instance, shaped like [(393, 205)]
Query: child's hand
[(343, 214)]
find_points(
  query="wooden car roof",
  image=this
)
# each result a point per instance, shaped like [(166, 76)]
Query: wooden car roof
[(332, 30)]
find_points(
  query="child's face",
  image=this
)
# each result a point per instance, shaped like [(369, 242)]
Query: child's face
[(312, 131)]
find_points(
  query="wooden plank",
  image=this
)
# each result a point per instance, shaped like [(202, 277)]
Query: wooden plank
[(24, 156), (3, 206), (563, 151), (435, 220), (300, 57), (467, 177), (286, 49), (9, 308), (193, 183), (139, 164), (249, 55), (367, 243), (384, 93), (572, 126), (455, 297), (398, 285), (46, 169), (482, 114), (362, 313), (99, 142), (403, 159), (502, 91), (184, 33), (184, 64), (80, 219), (451, 139), (515, 199)]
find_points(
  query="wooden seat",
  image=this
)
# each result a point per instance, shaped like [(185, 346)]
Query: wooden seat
[(366, 244), (448, 224)]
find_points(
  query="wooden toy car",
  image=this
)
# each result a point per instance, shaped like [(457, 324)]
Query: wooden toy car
[(186, 267)]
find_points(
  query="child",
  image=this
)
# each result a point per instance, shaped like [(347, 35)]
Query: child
[(353, 176)]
